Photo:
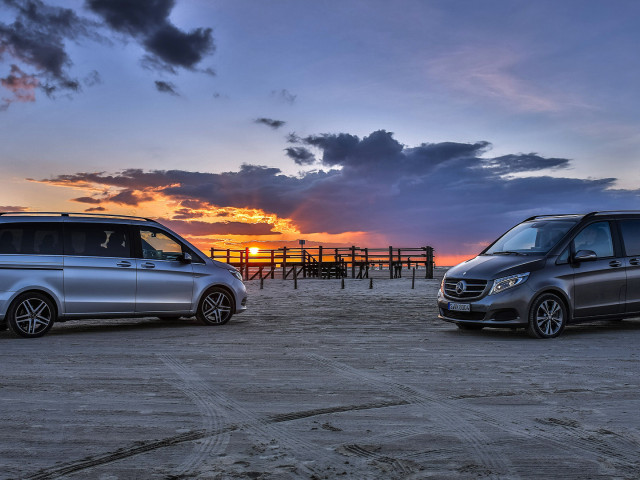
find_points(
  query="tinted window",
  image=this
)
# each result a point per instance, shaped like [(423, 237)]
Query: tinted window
[(97, 240), (31, 239), (631, 236), (157, 245), (595, 237)]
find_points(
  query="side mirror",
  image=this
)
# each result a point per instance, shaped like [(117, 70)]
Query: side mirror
[(585, 256), (185, 258)]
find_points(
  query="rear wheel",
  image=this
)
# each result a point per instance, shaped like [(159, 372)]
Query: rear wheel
[(31, 315), (216, 307), (548, 317)]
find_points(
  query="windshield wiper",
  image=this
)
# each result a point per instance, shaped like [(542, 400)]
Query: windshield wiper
[(509, 252)]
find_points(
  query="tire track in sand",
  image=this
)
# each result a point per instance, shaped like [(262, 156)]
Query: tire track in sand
[(310, 456), (476, 440)]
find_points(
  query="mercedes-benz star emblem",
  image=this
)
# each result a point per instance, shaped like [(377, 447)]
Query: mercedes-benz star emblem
[(461, 287)]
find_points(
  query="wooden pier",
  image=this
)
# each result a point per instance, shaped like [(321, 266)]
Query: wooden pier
[(325, 262)]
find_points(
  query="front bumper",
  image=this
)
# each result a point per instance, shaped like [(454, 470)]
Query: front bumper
[(506, 309)]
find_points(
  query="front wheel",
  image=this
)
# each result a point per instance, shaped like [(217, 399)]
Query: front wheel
[(216, 307), (548, 317), (31, 315)]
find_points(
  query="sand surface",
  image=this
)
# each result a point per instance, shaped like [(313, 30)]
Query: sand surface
[(317, 383)]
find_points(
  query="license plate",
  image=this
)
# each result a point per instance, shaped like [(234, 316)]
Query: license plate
[(460, 307)]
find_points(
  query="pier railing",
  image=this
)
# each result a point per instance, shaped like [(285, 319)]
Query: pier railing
[(325, 262)]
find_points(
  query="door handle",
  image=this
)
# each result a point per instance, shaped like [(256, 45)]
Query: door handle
[(124, 264), (634, 261), (148, 265), (615, 263)]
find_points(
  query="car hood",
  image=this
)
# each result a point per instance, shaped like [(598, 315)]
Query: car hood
[(490, 267), (226, 266)]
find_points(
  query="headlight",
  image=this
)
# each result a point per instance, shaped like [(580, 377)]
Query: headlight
[(505, 283), (442, 285), (236, 274)]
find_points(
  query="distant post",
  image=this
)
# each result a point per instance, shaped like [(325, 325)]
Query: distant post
[(211, 254), (302, 254), (246, 267), (320, 261), (366, 261), (273, 263), (353, 261), (284, 263), (391, 262), (430, 263)]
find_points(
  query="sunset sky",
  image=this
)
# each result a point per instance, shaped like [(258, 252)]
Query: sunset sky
[(346, 122)]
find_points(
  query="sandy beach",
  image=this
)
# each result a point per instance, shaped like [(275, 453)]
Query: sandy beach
[(320, 382)]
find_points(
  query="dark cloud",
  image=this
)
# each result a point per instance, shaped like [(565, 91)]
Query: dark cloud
[(92, 78), (166, 87), (95, 209), (148, 22), (199, 229), (270, 122), (130, 197), (124, 197), (134, 18), (13, 208), (284, 96), (449, 195), (92, 200), (508, 164), (37, 39), (300, 155)]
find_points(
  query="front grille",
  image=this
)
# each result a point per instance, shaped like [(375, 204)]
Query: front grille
[(461, 315), (472, 288)]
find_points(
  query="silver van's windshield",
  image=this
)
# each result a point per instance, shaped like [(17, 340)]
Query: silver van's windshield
[(531, 238)]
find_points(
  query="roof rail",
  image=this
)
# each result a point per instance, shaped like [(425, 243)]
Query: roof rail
[(553, 215), (79, 214), (609, 212), (586, 215)]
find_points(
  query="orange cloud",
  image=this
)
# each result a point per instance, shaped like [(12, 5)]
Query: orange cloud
[(21, 85)]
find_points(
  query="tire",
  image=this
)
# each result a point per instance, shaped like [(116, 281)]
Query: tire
[(467, 326), (215, 307), (31, 315), (547, 317)]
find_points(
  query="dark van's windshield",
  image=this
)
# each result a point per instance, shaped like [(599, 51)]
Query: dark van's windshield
[(531, 238)]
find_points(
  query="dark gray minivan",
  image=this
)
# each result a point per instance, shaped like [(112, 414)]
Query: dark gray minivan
[(549, 271)]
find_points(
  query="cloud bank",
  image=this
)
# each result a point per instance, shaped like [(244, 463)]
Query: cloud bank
[(449, 195), (37, 42)]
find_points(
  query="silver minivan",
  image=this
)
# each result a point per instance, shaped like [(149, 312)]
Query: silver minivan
[(64, 266), (549, 271)]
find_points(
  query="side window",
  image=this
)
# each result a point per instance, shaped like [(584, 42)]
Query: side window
[(97, 240), (595, 237), (631, 236), (31, 239), (157, 245)]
